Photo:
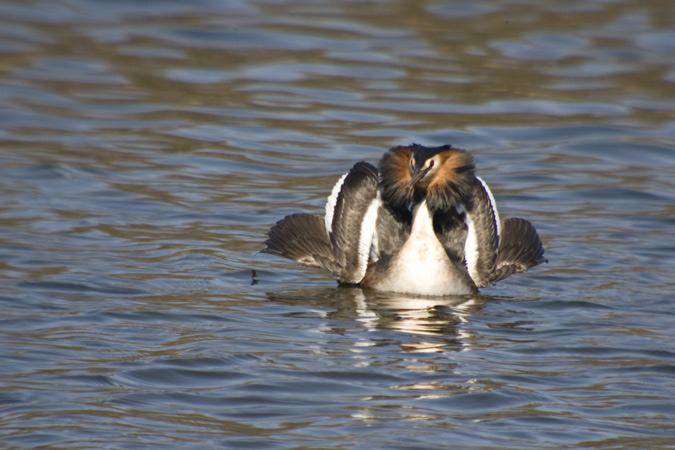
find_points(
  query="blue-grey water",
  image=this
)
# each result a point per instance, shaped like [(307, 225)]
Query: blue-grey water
[(147, 147)]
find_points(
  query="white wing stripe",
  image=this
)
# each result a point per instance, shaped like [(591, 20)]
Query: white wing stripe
[(493, 205), (368, 231), (470, 245), (331, 202)]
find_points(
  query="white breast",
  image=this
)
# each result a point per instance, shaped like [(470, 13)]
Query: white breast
[(422, 265)]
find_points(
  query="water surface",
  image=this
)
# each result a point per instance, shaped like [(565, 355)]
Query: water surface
[(147, 147)]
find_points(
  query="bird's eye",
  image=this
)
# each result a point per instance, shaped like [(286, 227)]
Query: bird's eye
[(431, 163)]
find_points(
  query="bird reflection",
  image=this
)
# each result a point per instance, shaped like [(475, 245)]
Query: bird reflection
[(428, 318), (421, 317)]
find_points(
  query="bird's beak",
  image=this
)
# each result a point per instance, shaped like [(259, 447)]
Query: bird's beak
[(417, 176)]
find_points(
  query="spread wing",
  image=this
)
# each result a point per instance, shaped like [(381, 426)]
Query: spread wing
[(357, 230), (340, 242), (496, 249), (302, 238), (483, 230), (353, 221), (519, 249)]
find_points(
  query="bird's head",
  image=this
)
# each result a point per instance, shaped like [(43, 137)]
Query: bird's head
[(443, 175), (426, 164)]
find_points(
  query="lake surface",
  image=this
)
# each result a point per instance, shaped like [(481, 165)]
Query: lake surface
[(147, 147)]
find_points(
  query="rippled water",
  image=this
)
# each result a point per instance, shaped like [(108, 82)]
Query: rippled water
[(146, 148)]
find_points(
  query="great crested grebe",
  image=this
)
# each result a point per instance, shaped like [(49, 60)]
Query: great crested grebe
[(423, 224)]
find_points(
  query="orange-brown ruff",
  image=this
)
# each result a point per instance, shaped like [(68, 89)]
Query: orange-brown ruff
[(423, 224), (448, 184)]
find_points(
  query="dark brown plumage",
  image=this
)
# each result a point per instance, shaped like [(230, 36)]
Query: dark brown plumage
[(519, 249), (302, 238), (395, 175)]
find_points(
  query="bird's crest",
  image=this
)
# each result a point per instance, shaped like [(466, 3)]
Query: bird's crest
[(446, 182), (395, 176)]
